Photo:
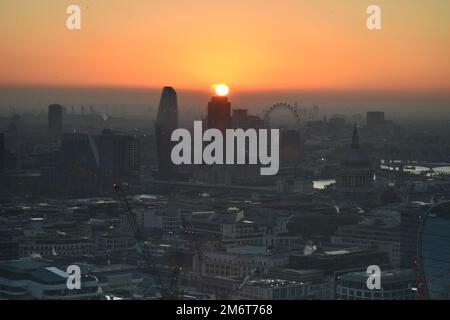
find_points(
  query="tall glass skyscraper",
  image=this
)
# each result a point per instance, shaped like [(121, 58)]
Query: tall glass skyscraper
[(166, 123), (434, 251)]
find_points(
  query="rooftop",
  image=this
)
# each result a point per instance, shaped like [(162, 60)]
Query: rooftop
[(387, 276), (272, 283), (40, 271)]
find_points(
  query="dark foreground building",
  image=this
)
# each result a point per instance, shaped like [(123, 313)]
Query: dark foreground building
[(434, 251)]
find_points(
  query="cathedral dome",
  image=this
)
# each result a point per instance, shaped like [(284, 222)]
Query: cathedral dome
[(355, 156), (356, 173)]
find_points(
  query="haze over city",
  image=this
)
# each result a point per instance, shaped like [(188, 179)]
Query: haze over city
[(318, 52)]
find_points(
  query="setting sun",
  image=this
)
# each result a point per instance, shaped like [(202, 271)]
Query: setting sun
[(221, 90)]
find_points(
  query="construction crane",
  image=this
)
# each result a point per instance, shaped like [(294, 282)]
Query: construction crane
[(244, 282), (420, 279), (172, 291)]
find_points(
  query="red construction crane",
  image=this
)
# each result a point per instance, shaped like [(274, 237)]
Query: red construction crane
[(420, 280), (430, 279), (170, 293)]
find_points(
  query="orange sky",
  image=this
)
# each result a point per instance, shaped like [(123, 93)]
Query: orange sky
[(251, 44)]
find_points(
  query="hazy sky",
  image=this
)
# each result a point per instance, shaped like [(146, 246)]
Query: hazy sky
[(251, 44)]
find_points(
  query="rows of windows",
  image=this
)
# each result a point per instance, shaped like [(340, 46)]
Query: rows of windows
[(355, 181), (50, 247), (67, 292), (344, 293)]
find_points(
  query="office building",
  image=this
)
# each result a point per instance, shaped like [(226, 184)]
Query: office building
[(219, 113), (239, 228), (395, 285), (166, 123), (29, 279), (80, 164), (54, 245), (119, 158), (338, 260), (55, 121), (434, 251), (238, 262), (383, 235), (2, 153), (319, 286), (272, 289)]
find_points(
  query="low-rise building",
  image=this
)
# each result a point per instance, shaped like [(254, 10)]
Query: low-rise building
[(236, 227), (54, 245), (112, 242), (159, 221), (272, 289), (319, 286), (395, 285), (27, 279), (239, 262), (377, 233)]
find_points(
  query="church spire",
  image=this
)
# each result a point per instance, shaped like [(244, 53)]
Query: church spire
[(355, 139)]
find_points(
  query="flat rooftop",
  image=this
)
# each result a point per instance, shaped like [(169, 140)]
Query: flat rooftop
[(388, 276), (40, 271)]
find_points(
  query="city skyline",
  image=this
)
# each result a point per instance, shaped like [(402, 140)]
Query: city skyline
[(242, 151)]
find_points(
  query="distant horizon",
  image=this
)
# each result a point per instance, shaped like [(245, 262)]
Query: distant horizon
[(395, 104), (207, 89), (312, 53)]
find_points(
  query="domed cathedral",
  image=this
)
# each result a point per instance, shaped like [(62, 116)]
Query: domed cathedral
[(356, 172)]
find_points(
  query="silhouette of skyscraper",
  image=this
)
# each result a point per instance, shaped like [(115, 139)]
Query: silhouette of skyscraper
[(55, 120), (219, 113), (219, 117), (2, 152), (166, 123), (80, 164), (119, 158)]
